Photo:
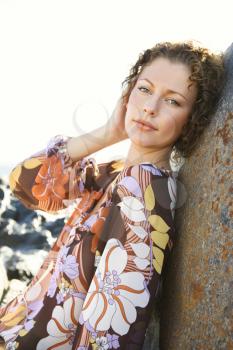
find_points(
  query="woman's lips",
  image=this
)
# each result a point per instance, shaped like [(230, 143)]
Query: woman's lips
[(144, 127)]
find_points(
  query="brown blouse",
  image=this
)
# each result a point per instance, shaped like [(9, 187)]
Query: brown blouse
[(97, 284)]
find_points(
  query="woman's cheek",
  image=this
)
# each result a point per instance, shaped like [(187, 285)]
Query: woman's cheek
[(166, 122), (133, 99), (129, 123), (132, 111), (127, 119), (168, 126)]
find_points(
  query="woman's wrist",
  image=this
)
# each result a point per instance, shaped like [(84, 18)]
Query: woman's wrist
[(72, 149), (82, 146), (114, 134)]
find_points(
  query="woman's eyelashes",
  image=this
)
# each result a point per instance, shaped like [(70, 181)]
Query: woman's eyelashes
[(140, 88)]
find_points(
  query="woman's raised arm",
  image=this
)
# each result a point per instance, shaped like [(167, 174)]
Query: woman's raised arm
[(50, 178), (110, 133)]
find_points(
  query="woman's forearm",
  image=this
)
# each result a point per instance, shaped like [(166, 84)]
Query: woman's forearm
[(86, 144)]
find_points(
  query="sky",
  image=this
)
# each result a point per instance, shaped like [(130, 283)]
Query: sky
[(62, 62)]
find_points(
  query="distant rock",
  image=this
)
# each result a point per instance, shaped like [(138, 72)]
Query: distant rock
[(1, 194), (4, 283), (26, 236)]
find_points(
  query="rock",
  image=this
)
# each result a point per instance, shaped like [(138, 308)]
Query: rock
[(23, 213), (3, 224), (4, 283), (55, 226), (197, 307), (22, 264), (25, 238), (1, 194), (2, 181), (25, 235), (9, 213)]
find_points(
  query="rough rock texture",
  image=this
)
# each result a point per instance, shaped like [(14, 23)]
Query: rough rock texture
[(197, 299)]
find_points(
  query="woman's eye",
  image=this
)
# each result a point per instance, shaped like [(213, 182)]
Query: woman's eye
[(175, 102), (142, 87)]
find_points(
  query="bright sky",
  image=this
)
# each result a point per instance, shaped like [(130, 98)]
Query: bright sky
[(62, 62)]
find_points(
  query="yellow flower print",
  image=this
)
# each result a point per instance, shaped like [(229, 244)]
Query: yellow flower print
[(159, 235)]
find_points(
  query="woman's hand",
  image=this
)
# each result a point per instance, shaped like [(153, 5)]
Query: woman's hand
[(115, 126)]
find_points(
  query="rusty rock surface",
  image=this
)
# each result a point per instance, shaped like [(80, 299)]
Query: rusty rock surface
[(197, 298)]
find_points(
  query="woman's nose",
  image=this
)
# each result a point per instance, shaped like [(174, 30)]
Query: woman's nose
[(148, 110), (151, 107)]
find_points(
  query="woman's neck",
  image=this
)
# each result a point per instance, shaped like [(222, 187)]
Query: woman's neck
[(158, 157)]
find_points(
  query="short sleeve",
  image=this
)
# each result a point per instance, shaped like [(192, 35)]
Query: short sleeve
[(48, 181)]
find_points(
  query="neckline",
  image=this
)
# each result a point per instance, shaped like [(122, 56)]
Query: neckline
[(164, 170), (160, 168)]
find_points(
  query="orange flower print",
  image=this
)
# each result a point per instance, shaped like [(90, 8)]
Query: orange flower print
[(50, 181)]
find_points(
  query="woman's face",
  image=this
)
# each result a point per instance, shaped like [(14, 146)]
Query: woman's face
[(151, 101)]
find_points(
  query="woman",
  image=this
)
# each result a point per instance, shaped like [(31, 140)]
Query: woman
[(96, 287)]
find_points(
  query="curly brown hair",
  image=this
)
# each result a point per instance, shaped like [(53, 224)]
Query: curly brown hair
[(207, 70)]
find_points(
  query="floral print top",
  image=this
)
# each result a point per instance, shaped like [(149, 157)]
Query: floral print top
[(97, 284)]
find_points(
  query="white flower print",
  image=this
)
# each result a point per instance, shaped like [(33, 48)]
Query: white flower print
[(132, 208), (62, 326), (113, 294)]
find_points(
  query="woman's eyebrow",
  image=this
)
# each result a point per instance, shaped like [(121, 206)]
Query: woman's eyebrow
[(169, 90)]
